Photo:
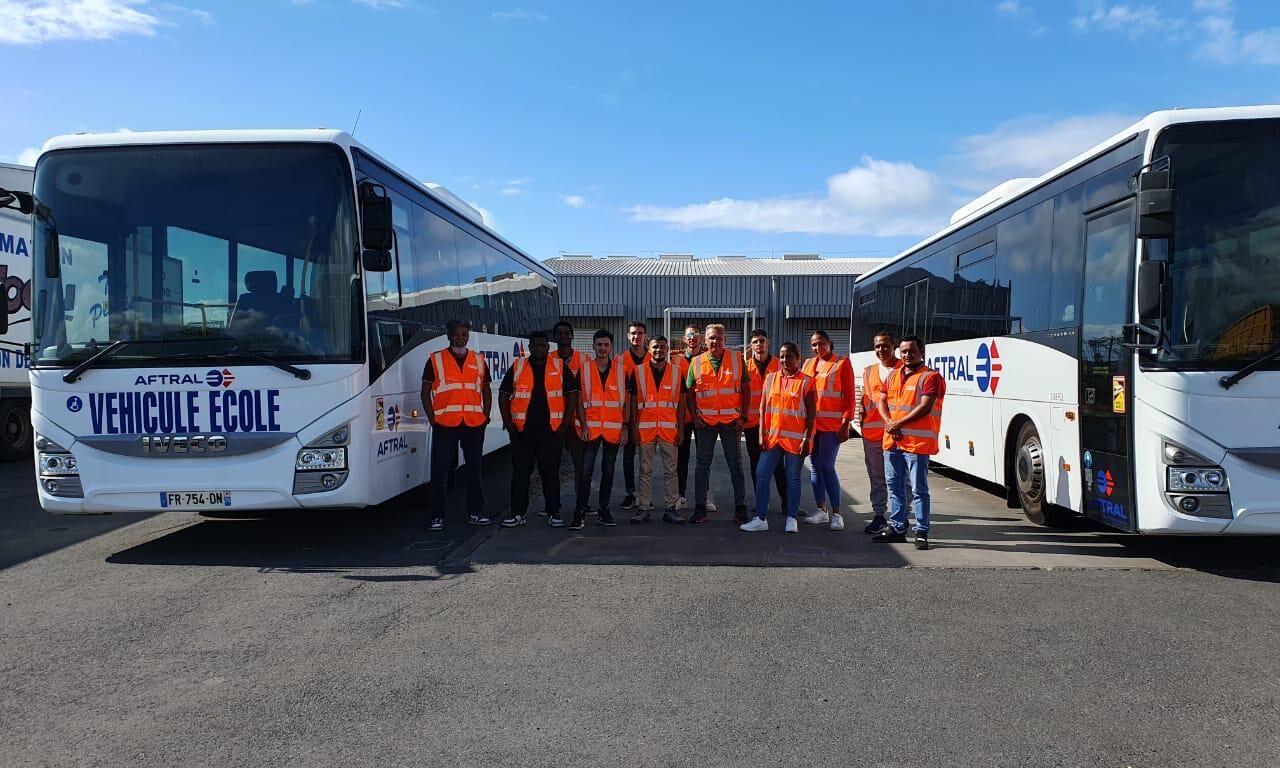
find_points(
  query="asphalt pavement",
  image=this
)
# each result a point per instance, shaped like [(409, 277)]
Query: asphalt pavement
[(359, 638)]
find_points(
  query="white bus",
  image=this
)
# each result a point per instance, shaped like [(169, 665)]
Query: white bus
[(15, 333), (1109, 331), (240, 319)]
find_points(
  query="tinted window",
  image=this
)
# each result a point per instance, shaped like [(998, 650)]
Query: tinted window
[(1068, 258), (432, 295), (1023, 266), (474, 278)]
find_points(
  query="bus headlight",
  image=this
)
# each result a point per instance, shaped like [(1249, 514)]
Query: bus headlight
[(1196, 479), (52, 460), (316, 459)]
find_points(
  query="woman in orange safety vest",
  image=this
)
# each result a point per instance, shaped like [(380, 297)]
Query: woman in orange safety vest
[(788, 409), (833, 377)]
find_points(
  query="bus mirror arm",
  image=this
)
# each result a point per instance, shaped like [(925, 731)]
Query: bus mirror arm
[(1146, 334), (1134, 333)]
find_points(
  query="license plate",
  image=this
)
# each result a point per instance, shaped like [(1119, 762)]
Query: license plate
[(195, 499)]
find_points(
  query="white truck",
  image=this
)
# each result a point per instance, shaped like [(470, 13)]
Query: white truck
[(15, 329)]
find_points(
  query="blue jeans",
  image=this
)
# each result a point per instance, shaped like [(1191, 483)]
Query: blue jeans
[(898, 466), (769, 461), (826, 486), (873, 456)]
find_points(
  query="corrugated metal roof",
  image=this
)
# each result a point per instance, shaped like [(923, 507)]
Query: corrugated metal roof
[(640, 266)]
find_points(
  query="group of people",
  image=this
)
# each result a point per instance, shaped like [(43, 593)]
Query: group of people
[(649, 402)]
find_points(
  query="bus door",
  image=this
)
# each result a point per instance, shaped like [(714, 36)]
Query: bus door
[(1106, 368)]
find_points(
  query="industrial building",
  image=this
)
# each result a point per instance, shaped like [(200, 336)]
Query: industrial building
[(789, 297)]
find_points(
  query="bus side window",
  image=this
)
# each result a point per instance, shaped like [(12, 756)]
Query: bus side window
[(1068, 258)]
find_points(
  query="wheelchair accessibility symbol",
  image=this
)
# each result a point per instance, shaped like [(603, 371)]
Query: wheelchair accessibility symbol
[(74, 403)]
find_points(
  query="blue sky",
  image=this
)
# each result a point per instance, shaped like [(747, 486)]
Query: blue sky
[(700, 127)]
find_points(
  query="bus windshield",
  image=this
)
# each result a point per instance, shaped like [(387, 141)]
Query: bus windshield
[(252, 245), (1224, 266)]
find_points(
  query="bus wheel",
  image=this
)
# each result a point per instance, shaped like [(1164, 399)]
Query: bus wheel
[(15, 430), (1029, 479)]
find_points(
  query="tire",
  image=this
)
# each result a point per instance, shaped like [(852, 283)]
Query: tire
[(1029, 479), (15, 430)]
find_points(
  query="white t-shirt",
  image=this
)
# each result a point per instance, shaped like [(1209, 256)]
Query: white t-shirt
[(884, 371)]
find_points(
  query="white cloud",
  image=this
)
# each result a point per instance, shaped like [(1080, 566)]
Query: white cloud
[(1225, 44), (28, 156), (1135, 21), (1212, 6), (519, 14), (574, 201), (204, 17), (518, 182), (509, 191), (1011, 8), (32, 22), (486, 215), (1033, 145), (381, 4), (877, 197)]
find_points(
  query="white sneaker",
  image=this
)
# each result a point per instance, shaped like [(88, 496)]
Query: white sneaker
[(756, 524), (681, 503), (837, 522), (819, 517), (792, 526), (711, 506)]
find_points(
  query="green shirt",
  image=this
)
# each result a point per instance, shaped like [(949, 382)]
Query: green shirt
[(692, 380)]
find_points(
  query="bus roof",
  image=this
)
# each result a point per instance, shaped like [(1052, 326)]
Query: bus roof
[(1152, 123), (281, 135)]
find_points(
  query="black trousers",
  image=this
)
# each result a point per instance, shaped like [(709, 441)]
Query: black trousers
[(608, 459), (535, 448), (753, 453), (444, 449), (682, 458)]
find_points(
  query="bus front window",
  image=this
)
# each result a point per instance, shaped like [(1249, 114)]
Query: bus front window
[(251, 245), (1224, 266)]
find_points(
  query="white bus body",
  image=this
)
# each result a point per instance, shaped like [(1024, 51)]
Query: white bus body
[(213, 251), (15, 277), (1026, 303)]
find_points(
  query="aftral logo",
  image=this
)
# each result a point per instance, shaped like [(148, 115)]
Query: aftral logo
[(393, 418), (222, 378), (1106, 484), (988, 368)]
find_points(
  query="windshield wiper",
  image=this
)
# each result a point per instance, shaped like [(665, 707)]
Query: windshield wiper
[(114, 347), (1228, 382), (74, 374), (301, 373)]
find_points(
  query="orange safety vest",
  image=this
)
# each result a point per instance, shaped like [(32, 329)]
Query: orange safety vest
[(872, 427), (757, 386), (827, 378), (784, 411), (456, 397), (657, 403), (919, 436), (604, 401), (575, 361), (688, 412), (717, 393), (630, 365), (522, 390)]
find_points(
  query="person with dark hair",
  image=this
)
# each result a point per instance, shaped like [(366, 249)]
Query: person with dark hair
[(657, 427), (692, 348), (457, 399), (535, 399), (574, 361), (719, 393), (760, 364), (911, 407), (871, 425), (787, 411), (604, 413), (632, 360), (837, 404)]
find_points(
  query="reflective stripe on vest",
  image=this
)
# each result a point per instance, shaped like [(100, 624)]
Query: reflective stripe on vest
[(757, 386), (552, 383), (603, 403), (457, 395), (718, 403), (831, 408), (872, 427), (784, 410), (902, 393), (657, 403)]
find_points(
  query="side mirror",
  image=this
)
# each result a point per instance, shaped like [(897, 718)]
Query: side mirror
[(1155, 205), (1151, 280), (22, 201), (376, 261), (376, 230)]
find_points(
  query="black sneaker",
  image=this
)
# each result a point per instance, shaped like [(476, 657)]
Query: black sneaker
[(591, 511), (672, 516), (740, 515), (555, 520), (629, 502), (699, 516), (641, 516), (606, 518), (437, 524), (511, 521), (922, 540), (890, 536), (475, 518), (579, 520), (876, 525)]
